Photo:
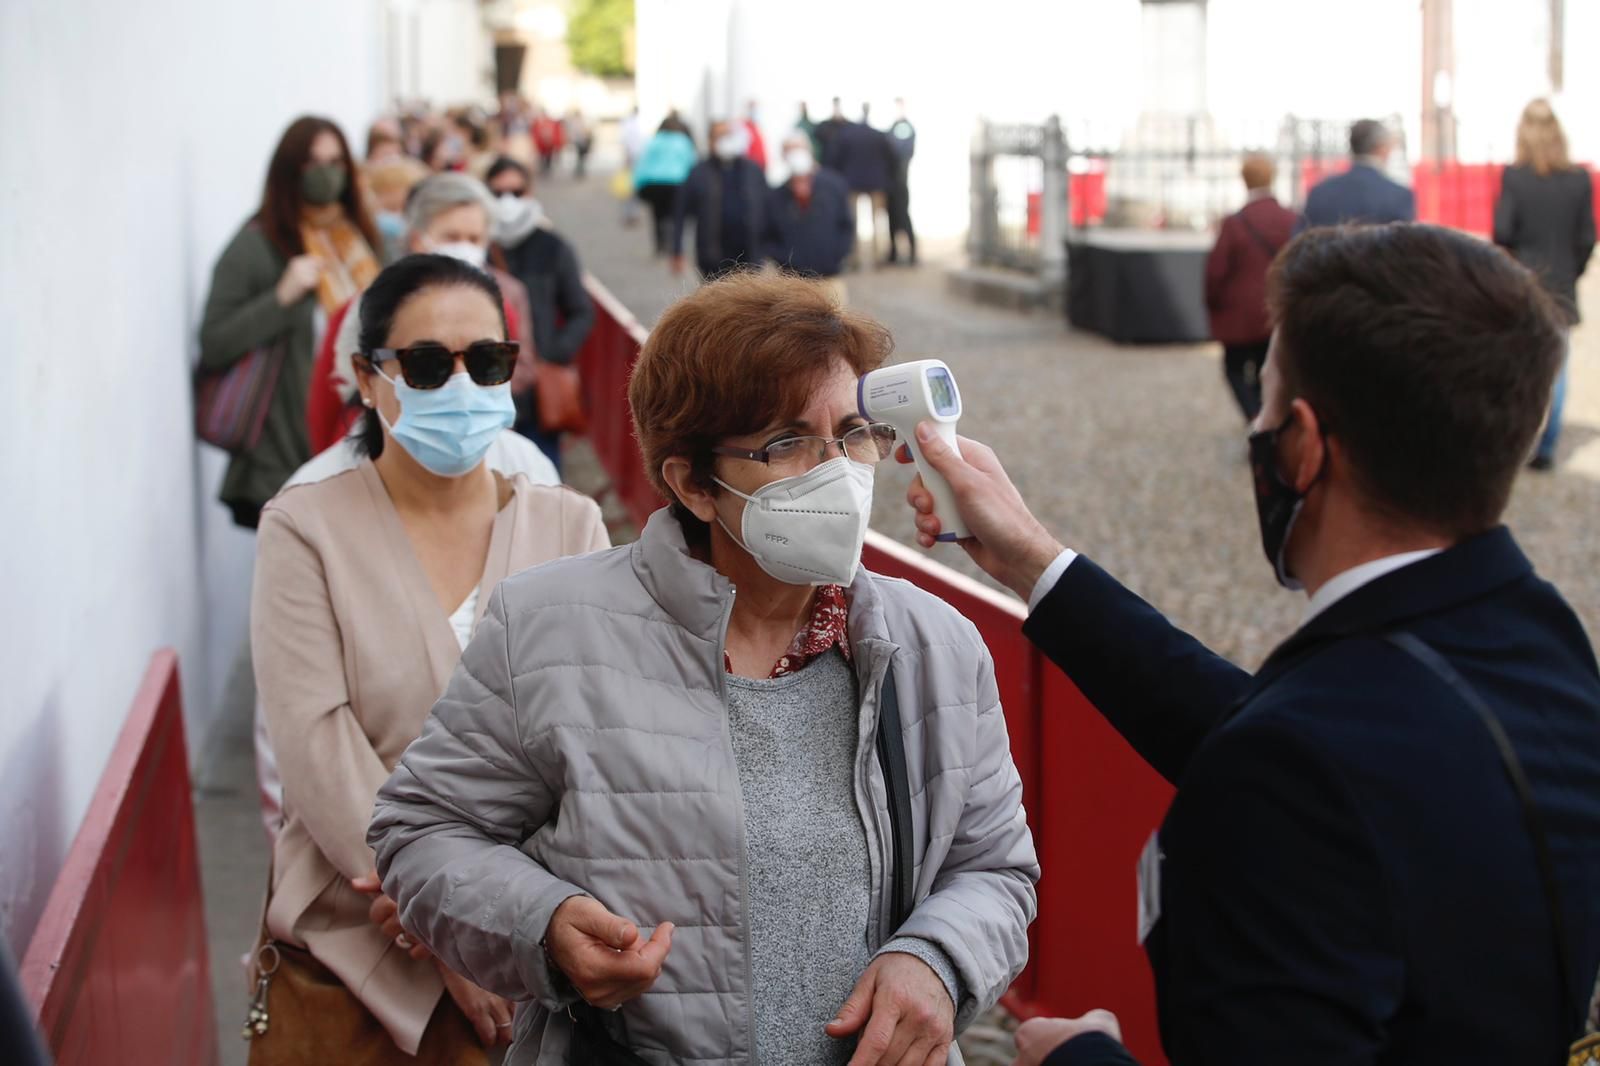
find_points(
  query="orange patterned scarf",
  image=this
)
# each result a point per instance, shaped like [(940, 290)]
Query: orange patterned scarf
[(348, 264)]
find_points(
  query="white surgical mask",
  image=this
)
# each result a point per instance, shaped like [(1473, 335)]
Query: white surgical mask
[(514, 218), (471, 254), (809, 529), (733, 144), (801, 162)]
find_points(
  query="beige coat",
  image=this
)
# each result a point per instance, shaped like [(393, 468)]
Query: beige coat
[(351, 650)]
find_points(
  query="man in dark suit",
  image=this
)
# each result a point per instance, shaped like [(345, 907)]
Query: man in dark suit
[(862, 156), (1363, 193), (1346, 874), (1236, 281), (810, 226), (726, 196)]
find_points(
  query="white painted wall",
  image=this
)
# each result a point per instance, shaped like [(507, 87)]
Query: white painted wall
[(437, 50), (136, 142)]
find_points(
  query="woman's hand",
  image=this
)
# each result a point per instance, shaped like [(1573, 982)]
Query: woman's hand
[(299, 278), (603, 955), (906, 1010), (489, 1014), (1037, 1038), (385, 914)]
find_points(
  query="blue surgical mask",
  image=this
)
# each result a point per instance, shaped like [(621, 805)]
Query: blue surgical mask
[(449, 429)]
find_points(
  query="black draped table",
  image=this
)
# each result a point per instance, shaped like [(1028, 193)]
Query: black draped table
[(1139, 286)]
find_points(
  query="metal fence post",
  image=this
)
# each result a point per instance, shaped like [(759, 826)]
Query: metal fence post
[(1053, 206)]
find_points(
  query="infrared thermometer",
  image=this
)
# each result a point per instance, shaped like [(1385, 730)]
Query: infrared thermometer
[(905, 394)]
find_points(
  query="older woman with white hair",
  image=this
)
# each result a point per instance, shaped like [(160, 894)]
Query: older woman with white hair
[(447, 214)]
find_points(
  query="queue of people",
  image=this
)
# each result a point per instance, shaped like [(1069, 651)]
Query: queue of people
[(724, 795)]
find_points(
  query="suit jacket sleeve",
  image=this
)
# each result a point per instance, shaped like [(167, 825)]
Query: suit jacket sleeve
[(1159, 687), (1090, 1049), (577, 310), (1278, 945)]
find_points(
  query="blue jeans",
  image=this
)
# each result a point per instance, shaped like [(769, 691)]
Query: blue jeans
[(1552, 428)]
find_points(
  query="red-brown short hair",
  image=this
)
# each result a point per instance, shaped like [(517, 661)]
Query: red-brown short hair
[(740, 354)]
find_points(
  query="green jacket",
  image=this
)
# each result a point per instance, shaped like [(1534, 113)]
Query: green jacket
[(242, 313)]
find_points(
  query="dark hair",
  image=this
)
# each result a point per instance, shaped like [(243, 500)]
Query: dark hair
[(1367, 136), (737, 355), (279, 216), (383, 299), (1428, 354), (502, 165)]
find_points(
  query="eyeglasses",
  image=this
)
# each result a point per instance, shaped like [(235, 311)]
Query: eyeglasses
[(870, 443), (429, 365)]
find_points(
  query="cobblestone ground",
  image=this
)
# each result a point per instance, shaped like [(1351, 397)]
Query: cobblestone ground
[(1133, 455)]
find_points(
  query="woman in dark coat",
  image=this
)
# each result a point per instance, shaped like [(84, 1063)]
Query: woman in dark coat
[(1545, 217)]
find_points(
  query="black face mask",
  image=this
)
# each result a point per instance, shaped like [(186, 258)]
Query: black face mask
[(1277, 501)]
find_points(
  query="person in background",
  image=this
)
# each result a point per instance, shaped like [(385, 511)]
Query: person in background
[(633, 142), (1236, 281), (531, 251), (663, 167), (368, 584), (389, 185), (305, 252), (683, 743), (903, 145), (826, 130), (1364, 193), (757, 150), (548, 139), (444, 149), (863, 156), (1390, 776), (810, 227), (448, 214), (580, 135), (384, 143), (809, 128), (726, 196), (1545, 217)]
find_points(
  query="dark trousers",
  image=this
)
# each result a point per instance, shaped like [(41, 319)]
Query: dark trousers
[(1242, 363), (660, 198), (900, 216)]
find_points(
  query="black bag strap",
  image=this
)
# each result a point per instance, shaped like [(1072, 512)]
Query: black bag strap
[(892, 756), (1441, 668), (1267, 246)]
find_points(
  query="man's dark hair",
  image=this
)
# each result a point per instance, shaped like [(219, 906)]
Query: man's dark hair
[(1367, 136), (1428, 355), (396, 284)]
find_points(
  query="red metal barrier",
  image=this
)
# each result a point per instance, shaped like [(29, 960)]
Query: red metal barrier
[(117, 970), (1091, 801)]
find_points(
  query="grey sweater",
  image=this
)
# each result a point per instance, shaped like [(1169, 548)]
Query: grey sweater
[(806, 851)]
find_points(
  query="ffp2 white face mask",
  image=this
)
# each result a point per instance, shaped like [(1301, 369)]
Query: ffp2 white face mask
[(808, 529)]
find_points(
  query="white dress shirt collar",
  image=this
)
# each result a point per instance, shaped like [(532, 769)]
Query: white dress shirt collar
[(1341, 585)]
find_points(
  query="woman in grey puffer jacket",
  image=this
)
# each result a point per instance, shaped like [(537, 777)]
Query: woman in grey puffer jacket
[(655, 783)]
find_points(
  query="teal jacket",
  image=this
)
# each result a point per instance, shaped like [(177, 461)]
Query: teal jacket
[(666, 160)]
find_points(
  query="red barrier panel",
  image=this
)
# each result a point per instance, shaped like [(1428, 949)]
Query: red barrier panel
[(117, 970), (1091, 801)]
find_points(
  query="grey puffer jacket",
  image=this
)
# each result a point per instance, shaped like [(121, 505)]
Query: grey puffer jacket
[(582, 747)]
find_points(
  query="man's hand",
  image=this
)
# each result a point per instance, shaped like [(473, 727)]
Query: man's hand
[(906, 1010), (385, 914), (489, 1014), (1036, 1039), (603, 955), (678, 265), (1007, 541)]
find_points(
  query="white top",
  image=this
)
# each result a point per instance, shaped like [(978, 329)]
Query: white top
[(462, 620), (511, 453), (1332, 591)]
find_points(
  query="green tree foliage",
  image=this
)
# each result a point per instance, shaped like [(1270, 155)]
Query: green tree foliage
[(598, 37)]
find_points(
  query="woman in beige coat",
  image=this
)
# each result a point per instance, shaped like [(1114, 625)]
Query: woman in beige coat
[(367, 587)]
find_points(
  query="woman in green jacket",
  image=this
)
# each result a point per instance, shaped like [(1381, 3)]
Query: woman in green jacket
[(305, 252)]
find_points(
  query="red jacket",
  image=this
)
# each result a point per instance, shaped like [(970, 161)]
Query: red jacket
[(1236, 271)]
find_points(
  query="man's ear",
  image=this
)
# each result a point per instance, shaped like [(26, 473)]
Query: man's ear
[(1310, 448), (678, 475)]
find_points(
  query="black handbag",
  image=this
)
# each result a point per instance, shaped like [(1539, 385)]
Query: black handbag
[(592, 1043)]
